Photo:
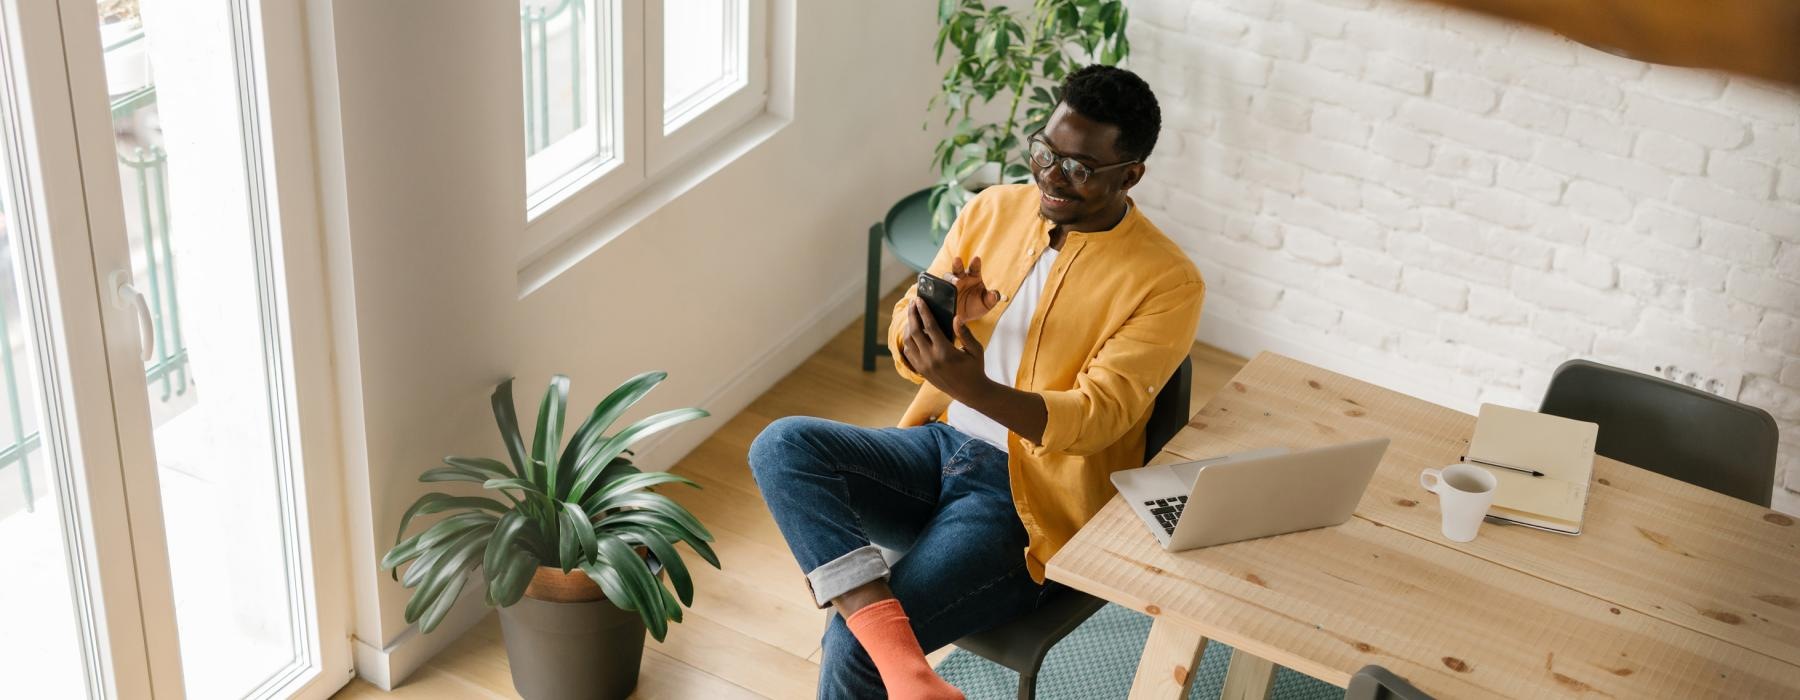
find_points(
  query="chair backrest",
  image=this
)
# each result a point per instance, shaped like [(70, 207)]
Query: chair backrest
[(1170, 413), (1669, 428), (1377, 683)]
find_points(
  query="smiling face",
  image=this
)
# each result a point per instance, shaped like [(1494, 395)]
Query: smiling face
[(1094, 205)]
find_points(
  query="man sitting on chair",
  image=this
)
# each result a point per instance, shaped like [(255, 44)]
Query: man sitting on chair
[(1072, 310)]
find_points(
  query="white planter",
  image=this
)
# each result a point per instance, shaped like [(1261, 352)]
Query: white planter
[(984, 177)]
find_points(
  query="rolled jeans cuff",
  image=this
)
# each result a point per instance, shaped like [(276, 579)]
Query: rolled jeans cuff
[(838, 576)]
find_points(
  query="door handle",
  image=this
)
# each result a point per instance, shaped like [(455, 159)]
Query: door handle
[(125, 295)]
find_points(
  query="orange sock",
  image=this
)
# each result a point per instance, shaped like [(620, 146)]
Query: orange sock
[(887, 636)]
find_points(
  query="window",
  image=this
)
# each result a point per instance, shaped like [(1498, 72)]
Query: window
[(617, 92), (708, 81), (571, 92)]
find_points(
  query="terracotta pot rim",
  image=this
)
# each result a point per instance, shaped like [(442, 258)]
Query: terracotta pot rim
[(550, 585)]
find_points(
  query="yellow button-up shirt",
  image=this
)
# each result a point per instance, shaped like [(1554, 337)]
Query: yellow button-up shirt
[(1115, 318)]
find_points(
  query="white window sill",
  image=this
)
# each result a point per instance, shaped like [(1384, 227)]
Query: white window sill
[(567, 248)]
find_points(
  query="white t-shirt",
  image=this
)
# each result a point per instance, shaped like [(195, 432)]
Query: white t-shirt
[(1000, 358)]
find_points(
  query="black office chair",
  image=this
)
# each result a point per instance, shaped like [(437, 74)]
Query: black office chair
[(1377, 683), (1022, 643), (1669, 428)]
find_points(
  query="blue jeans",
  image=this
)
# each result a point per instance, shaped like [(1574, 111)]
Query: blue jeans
[(939, 496)]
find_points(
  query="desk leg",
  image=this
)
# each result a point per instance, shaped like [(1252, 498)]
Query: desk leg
[(1170, 657), (1248, 677), (870, 296)]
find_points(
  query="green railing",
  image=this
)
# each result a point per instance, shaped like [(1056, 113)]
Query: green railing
[(534, 28), (169, 365)]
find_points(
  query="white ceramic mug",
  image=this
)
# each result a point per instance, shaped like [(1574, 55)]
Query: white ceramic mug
[(1464, 493)]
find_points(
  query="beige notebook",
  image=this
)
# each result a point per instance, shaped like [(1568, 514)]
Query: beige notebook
[(1560, 448)]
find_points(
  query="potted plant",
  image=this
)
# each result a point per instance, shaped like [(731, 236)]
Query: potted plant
[(1020, 59), (574, 554)]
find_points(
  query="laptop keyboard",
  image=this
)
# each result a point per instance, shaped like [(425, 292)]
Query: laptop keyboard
[(1167, 511)]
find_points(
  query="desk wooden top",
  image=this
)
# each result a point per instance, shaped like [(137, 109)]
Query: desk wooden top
[(1671, 590)]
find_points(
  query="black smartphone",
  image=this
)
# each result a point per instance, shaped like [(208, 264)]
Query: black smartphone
[(940, 299)]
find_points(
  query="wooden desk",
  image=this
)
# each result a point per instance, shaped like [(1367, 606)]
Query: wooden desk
[(1671, 590)]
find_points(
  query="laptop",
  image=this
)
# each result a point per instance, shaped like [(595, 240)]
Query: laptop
[(1251, 494)]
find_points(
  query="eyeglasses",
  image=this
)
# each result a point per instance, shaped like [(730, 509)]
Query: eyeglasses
[(1043, 156)]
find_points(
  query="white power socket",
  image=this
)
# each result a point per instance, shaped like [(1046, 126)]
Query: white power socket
[(1713, 380)]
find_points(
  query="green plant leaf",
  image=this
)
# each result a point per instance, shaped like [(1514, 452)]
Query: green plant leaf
[(589, 470), (665, 553), (547, 441), (400, 554), (508, 420), (454, 525), (437, 474), (501, 543), (639, 482), (514, 483), (655, 503), (610, 584), (587, 438), (639, 586), (436, 502), (663, 524), (423, 578), (508, 586), (577, 541), (445, 600), (433, 562), (669, 603), (1070, 17)]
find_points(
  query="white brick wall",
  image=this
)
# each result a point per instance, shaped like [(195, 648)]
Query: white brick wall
[(1453, 205)]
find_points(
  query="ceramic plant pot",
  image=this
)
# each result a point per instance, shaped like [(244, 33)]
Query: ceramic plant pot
[(564, 639)]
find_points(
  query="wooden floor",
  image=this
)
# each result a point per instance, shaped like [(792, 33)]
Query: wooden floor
[(753, 631)]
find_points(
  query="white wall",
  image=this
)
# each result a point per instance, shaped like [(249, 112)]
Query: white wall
[(727, 288), (1454, 205)]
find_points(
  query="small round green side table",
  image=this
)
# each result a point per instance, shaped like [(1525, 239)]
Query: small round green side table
[(907, 231)]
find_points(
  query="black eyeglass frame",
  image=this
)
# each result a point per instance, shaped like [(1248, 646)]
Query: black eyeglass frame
[(1069, 165)]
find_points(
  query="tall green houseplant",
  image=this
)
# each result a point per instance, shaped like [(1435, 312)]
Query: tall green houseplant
[(1016, 61), (584, 508)]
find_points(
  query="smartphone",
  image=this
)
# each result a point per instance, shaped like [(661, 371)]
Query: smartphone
[(940, 299)]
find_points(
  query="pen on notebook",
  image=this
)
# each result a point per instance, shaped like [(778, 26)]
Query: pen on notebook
[(1532, 472)]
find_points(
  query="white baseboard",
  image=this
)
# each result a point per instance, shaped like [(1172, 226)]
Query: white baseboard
[(387, 667), (662, 451)]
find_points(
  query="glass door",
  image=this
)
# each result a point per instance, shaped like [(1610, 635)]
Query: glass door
[(200, 555), (77, 603), (179, 99)]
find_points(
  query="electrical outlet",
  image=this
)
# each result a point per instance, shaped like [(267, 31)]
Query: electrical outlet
[(1713, 380)]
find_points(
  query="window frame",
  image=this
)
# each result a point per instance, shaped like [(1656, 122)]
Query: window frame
[(575, 162), (646, 162), (718, 109)]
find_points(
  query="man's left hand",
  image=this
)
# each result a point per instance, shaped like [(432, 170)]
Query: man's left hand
[(958, 371)]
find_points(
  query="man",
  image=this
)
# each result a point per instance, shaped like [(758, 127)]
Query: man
[(1072, 310)]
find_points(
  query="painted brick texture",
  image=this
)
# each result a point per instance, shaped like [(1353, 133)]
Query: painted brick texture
[(1458, 204)]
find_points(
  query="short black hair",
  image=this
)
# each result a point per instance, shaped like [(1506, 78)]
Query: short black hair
[(1118, 97)]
